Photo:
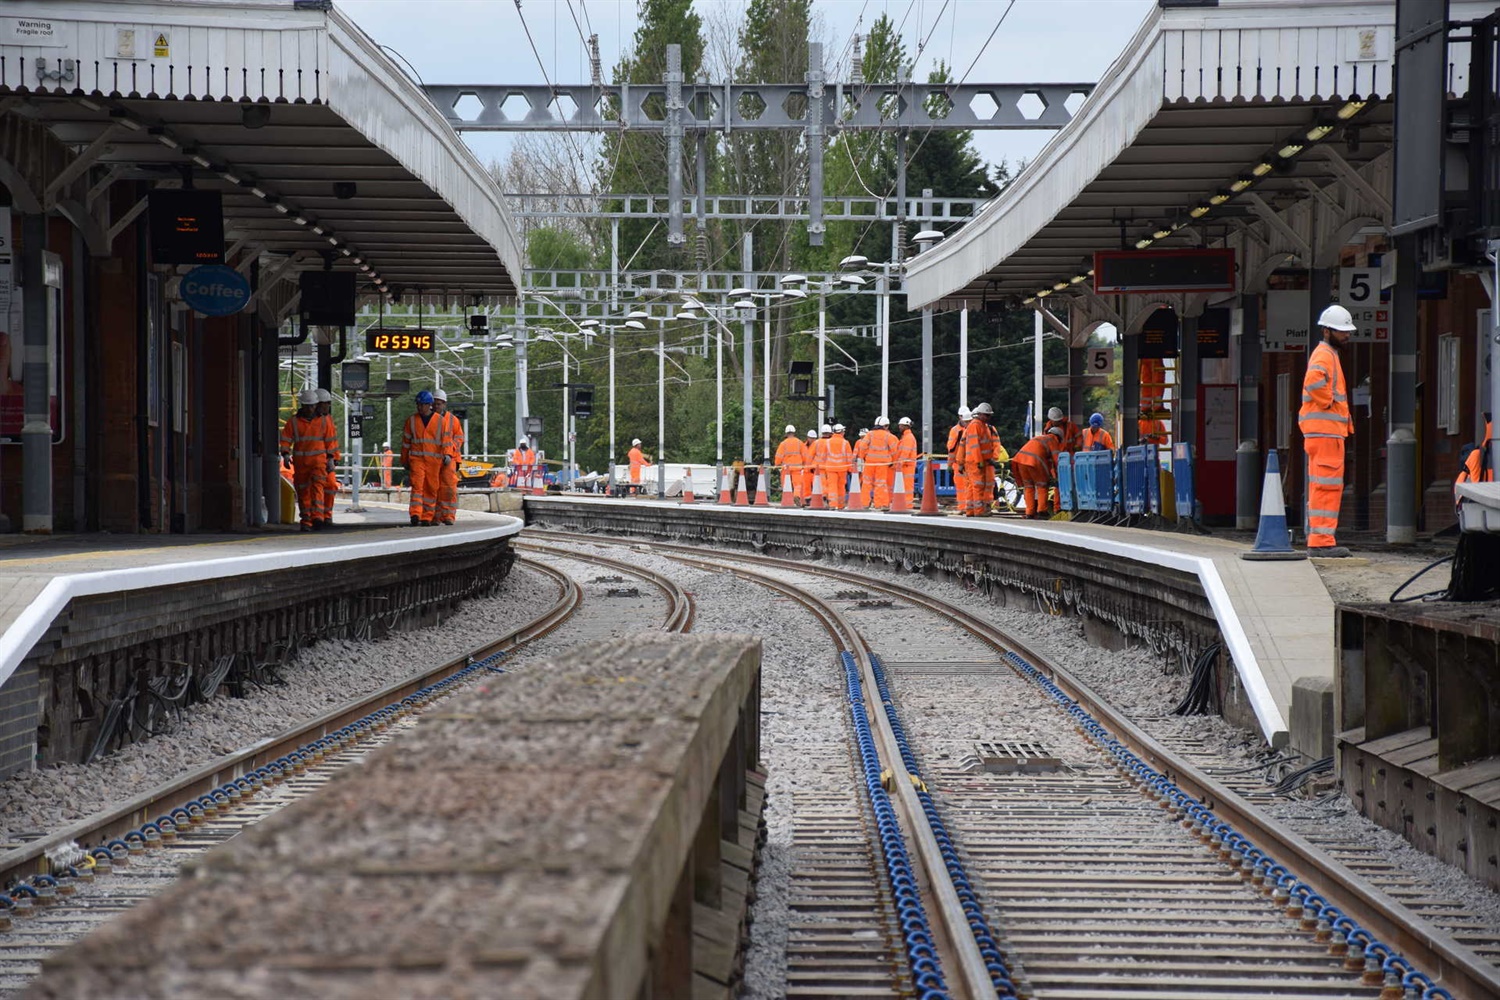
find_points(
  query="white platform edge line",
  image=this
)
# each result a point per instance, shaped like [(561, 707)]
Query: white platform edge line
[(34, 620), (1247, 666)]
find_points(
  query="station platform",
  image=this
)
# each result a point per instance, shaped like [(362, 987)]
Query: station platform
[(117, 607), (1276, 619)]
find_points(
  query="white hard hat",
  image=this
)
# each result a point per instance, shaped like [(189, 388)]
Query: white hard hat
[(811, 433), (863, 431), (635, 442), (385, 444), (964, 413), (440, 394), (904, 422), (827, 430), (790, 429), (838, 428), (307, 397), (984, 408), (1055, 414), (882, 421), (522, 443), (1336, 317), (324, 396)]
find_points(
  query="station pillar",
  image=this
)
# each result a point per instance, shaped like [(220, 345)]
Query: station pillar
[(1401, 445), (1247, 462), (1130, 390), (36, 431)]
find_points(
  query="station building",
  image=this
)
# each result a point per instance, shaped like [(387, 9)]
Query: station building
[(122, 408), (1257, 137)]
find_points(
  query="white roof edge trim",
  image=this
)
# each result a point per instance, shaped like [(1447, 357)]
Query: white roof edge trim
[(419, 140), (1126, 98), (34, 620)]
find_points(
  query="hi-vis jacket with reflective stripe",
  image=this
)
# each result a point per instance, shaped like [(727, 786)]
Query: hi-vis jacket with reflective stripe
[(1325, 396), (422, 438), (304, 436)]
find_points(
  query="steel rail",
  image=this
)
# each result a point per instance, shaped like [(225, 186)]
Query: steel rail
[(31, 859), (680, 606), (1454, 965), (966, 963)]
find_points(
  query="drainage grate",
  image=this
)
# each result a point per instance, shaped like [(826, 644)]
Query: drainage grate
[(947, 668), (1015, 756), (852, 595), (609, 579), (873, 605), (622, 592)]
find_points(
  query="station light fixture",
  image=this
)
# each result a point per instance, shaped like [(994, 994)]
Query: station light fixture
[(854, 261), (1079, 279), (588, 324), (299, 220), (687, 314), (794, 293), (202, 160), (166, 139), (1293, 146), (634, 324), (231, 178), (259, 193), (1350, 109), (1319, 132), (1199, 211), (1262, 168), (319, 230), (1044, 293), (1143, 243), (740, 293), (1061, 286), (1241, 183), (792, 279), (1161, 234), (637, 314), (1219, 198), (743, 304), (283, 209)]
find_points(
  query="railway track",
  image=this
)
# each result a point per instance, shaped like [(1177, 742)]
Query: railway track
[(57, 891), (1124, 870)]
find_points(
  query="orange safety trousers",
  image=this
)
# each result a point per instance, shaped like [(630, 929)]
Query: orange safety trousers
[(1031, 476), (310, 481), (425, 472), (385, 470), (1325, 489)]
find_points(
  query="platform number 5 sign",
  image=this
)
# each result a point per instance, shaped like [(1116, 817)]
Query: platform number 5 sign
[(1359, 292), (1101, 360)]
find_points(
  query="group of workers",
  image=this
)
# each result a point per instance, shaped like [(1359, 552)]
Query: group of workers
[(310, 453), (826, 464), (432, 444)]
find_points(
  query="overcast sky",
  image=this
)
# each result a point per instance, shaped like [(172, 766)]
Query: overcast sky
[(484, 41)]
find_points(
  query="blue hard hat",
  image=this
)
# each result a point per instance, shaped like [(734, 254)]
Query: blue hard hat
[(424, 397), (1097, 420)]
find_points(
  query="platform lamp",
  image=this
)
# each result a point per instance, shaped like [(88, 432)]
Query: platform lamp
[(855, 265), (632, 322), (926, 240)]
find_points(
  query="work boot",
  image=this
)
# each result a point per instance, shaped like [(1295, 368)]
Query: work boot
[(1328, 552), (415, 520), (307, 527)]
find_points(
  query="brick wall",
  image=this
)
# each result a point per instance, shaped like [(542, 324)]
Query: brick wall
[(20, 713)]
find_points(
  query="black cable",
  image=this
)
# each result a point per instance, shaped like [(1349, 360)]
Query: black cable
[(1202, 696), (1394, 599)]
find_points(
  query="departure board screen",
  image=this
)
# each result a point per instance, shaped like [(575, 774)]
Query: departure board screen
[(1144, 271), (399, 342), (187, 227)]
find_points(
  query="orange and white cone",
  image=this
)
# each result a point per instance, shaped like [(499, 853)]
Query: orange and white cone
[(816, 503), (788, 489), (687, 487), (723, 488), (900, 499), (761, 499), (856, 499), (929, 493), (741, 498)]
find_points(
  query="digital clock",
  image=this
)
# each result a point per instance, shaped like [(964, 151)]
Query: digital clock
[(399, 342)]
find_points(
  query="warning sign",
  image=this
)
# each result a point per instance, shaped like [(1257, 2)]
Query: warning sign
[(162, 47)]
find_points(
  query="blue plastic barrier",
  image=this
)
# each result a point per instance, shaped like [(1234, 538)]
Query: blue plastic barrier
[(1066, 498), (942, 479), (1094, 480), (1142, 481), (1182, 481)]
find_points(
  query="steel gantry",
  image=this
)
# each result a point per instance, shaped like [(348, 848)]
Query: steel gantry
[(817, 108)]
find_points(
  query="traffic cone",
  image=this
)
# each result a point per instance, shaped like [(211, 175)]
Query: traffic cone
[(788, 489), (741, 497), (761, 500), (687, 487), (1272, 537), (816, 503), (900, 499), (856, 494), (723, 488), (929, 493)]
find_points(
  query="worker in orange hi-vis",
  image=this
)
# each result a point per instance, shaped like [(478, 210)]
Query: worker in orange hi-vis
[(1095, 437), (324, 517), (861, 448), (1034, 467), (638, 460), (521, 460), (906, 456), (1474, 467), (789, 462), (955, 435), (837, 465), (1325, 424), (977, 448), (809, 463), (1072, 435), (423, 455), (387, 460), (303, 441), (880, 462), (820, 458), (453, 447)]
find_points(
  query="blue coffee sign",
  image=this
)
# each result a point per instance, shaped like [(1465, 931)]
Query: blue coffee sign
[(215, 290)]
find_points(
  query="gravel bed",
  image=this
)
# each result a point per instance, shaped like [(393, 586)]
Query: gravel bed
[(320, 678)]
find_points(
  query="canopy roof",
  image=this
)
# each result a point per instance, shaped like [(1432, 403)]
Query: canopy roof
[(281, 109)]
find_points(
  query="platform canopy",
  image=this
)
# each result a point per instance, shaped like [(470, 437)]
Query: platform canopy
[(318, 141), (1212, 118)]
